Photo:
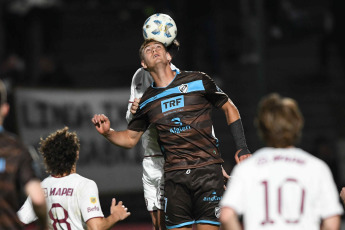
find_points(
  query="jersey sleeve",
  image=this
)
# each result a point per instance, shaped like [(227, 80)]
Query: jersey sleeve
[(26, 213), (328, 194), (234, 196), (213, 93), (139, 122), (129, 115), (88, 200)]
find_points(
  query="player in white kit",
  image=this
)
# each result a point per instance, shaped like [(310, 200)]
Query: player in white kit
[(153, 162), (72, 200), (281, 186)]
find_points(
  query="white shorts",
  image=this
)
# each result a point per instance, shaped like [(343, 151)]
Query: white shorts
[(153, 182)]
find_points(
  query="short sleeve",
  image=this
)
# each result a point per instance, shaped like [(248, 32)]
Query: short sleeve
[(88, 199), (132, 96), (140, 82), (26, 213), (139, 122), (213, 93)]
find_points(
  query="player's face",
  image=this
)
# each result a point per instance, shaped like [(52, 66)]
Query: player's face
[(154, 53)]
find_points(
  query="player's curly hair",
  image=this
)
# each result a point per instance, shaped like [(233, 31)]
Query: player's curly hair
[(279, 121), (60, 151)]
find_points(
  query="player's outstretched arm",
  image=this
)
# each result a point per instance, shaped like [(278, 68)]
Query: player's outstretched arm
[(118, 212), (126, 138), (235, 124)]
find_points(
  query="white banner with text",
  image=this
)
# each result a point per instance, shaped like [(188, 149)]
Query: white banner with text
[(42, 111)]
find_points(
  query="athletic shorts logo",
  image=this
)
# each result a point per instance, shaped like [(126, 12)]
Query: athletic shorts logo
[(183, 88), (172, 103), (93, 200), (213, 198), (217, 211)]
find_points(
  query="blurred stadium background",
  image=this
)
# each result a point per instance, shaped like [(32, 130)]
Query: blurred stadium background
[(65, 60)]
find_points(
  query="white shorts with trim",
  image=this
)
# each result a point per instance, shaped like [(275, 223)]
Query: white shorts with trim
[(153, 182)]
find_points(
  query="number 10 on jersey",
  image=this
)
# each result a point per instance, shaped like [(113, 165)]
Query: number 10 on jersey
[(287, 202)]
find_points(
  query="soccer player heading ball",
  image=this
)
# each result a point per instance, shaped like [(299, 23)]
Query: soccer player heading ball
[(153, 161), (179, 104)]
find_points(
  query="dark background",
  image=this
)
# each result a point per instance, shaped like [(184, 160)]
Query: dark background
[(250, 48)]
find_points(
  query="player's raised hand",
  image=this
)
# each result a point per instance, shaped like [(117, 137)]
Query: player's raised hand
[(119, 210), (135, 105), (241, 157), (101, 123)]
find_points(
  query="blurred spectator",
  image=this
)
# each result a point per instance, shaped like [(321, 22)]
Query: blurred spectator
[(197, 27), (32, 32), (333, 35), (250, 29)]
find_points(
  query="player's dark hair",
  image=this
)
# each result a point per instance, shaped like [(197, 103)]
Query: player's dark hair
[(3, 93), (279, 121), (60, 151)]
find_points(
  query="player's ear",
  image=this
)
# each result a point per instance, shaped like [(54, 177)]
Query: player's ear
[(4, 109), (168, 56), (143, 64)]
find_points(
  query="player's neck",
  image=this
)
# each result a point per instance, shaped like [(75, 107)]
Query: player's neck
[(162, 76), (74, 170)]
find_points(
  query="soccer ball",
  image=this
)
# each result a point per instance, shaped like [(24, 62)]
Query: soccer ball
[(160, 27)]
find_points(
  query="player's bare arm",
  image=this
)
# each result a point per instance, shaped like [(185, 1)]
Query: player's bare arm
[(126, 138), (117, 212), (234, 121), (331, 223), (229, 219)]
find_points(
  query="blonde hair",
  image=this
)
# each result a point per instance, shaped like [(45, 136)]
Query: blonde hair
[(279, 121)]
